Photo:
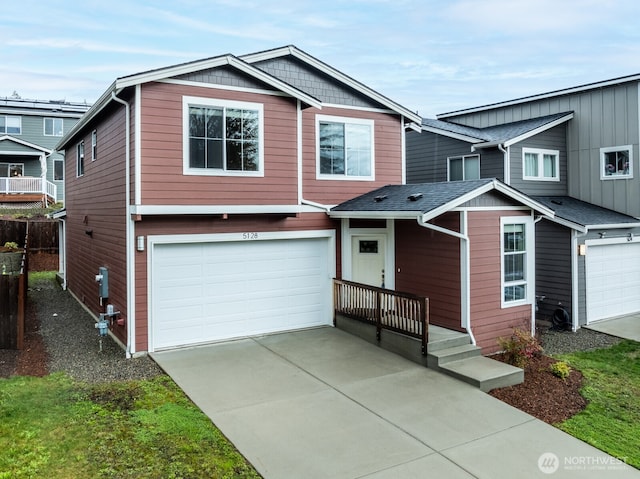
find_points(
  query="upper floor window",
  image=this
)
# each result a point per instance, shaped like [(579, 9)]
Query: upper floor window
[(616, 162), (80, 159), (540, 165), (94, 145), (463, 167), (53, 127), (222, 137), (9, 170), (10, 125), (344, 148), (516, 264), (58, 170)]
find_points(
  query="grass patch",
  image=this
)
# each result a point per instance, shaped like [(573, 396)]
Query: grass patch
[(611, 420), (36, 277), (57, 428)]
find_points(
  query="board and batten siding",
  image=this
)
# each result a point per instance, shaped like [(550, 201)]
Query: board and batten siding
[(388, 134), (163, 181), (194, 225), (428, 264), (603, 117), (95, 204), (553, 268), (489, 320)]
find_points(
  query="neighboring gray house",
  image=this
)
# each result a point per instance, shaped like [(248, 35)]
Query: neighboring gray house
[(30, 170), (575, 151)]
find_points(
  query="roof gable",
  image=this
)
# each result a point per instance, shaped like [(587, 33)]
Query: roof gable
[(22, 146)]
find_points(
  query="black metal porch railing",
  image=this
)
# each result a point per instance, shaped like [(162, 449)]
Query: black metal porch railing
[(403, 313)]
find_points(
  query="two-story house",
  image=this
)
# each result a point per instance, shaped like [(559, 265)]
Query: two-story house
[(575, 151), (31, 171)]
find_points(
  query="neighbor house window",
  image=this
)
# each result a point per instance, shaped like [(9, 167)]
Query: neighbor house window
[(541, 165), (80, 159), (616, 162), (53, 127), (10, 125), (94, 145), (8, 170), (223, 137), (345, 148), (464, 167), (58, 170), (516, 266)]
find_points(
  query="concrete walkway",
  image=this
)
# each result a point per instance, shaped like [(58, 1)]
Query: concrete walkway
[(627, 327), (322, 403)]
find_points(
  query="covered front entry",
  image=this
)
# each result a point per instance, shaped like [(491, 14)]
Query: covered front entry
[(612, 279), (203, 291)]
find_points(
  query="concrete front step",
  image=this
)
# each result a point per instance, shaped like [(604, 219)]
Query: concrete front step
[(442, 338), (436, 359), (484, 373)]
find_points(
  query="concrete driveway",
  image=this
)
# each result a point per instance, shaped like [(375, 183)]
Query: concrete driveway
[(322, 403)]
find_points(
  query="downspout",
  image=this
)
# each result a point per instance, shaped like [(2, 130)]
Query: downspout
[(465, 264), (507, 164), (128, 234)]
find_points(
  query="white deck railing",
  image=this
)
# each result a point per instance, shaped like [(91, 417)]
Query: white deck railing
[(28, 185)]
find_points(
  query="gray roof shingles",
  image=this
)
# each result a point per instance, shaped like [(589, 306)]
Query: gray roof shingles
[(585, 214)]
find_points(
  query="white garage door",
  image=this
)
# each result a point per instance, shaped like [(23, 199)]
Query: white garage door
[(202, 292), (613, 280)]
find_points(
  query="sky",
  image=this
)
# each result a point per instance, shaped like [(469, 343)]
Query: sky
[(430, 56)]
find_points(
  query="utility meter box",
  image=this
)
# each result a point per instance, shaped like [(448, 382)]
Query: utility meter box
[(103, 282)]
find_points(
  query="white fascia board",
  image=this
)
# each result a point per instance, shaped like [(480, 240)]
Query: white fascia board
[(524, 199), (613, 226), (389, 215), (434, 213), (219, 209), (450, 134), (569, 224), (538, 130), (541, 96), (231, 60), (24, 143), (332, 72)]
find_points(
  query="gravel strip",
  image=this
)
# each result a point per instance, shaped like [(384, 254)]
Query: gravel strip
[(72, 341), (563, 342)]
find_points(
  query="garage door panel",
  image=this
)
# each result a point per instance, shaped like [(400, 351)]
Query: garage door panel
[(233, 289), (613, 280)]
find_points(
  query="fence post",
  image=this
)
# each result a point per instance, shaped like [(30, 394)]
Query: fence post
[(378, 315), (424, 319)]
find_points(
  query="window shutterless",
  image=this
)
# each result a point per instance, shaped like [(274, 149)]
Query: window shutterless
[(345, 148)]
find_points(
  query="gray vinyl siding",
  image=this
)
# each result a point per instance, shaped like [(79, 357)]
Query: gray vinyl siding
[(225, 75), (553, 268), (314, 82), (603, 117), (492, 199), (553, 139), (427, 155)]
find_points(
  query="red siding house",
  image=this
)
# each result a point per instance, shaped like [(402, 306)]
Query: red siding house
[(200, 193)]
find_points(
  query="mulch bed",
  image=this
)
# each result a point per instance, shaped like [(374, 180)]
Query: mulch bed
[(543, 395)]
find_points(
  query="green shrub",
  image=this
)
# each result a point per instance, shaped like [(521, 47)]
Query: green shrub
[(11, 245), (519, 347), (560, 369)]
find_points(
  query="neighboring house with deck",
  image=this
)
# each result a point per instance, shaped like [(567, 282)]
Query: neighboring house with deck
[(576, 152), (31, 172)]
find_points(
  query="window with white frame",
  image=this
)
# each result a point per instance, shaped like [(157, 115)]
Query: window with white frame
[(463, 167), (616, 162), (80, 159), (10, 125), (53, 127), (223, 137), (94, 145), (8, 170), (58, 170), (344, 148), (516, 267), (540, 165)]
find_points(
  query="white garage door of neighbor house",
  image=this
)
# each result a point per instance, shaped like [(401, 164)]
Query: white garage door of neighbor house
[(613, 280), (203, 292)]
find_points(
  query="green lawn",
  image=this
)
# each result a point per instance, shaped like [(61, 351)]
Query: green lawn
[(611, 421), (55, 427)]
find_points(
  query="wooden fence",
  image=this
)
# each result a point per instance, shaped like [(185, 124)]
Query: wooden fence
[(13, 303), (43, 235)]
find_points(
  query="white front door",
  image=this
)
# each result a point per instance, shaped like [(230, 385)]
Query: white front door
[(368, 260)]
